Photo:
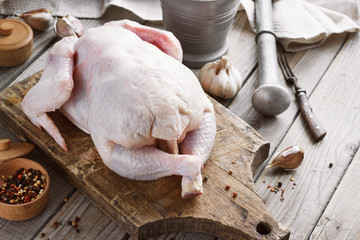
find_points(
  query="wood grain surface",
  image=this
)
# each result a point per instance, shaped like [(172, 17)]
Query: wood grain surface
[(149, 208), (93, 224), (336, 102), (325, 202), (341, 217)]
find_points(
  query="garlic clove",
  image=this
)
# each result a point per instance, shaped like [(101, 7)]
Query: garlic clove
[(68, 26), (40, 19), (289, 158), (220, 78), (220, 86)]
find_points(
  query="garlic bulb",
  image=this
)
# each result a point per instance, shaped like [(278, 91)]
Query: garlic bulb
[(68, 26), (220, 78), (289, 158), (40, 19)]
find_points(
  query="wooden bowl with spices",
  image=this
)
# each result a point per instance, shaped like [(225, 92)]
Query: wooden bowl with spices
[(25, 187)]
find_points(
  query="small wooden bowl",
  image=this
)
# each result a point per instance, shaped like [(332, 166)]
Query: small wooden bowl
[(16, 40), (20, 212)]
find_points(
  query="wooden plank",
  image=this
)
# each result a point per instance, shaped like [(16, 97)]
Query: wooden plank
[(152, 207), (341, 217), (59, 189), (93, 223), (336, 101), (274, 128)]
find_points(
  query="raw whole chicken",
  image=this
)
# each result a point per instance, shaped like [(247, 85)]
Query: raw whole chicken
[(125, 85)]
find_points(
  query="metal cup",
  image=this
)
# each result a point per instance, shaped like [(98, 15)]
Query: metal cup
[(201, 26)]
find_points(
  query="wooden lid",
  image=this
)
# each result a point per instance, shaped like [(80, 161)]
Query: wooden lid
[(15, 42), (9, 150)]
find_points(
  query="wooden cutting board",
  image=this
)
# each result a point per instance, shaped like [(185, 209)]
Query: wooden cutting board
[(148, 208)]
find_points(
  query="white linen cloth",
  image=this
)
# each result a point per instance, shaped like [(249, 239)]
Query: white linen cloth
[(298, 24)]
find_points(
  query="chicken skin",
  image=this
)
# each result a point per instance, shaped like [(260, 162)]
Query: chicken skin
[(125, 85)]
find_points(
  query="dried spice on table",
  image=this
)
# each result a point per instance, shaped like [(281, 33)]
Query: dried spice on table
[(24, 186), (56, 224), (278, 188)]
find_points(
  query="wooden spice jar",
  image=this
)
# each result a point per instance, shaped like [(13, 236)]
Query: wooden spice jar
[(23, 211), (16, 39)]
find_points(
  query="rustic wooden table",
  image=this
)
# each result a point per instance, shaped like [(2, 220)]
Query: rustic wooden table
[(322, 202)]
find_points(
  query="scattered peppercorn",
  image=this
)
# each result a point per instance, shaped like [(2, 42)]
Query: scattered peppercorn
[(331, 165), (205, 179), (234, 162), (43, 234), (56, 224), (230, 171), (234, 194), (282, 192), (69, 222), (65, 199), (294, 184), (227, 187), (78, 230), (22, 188), (279, 184), (264, 181), (282, 199)]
